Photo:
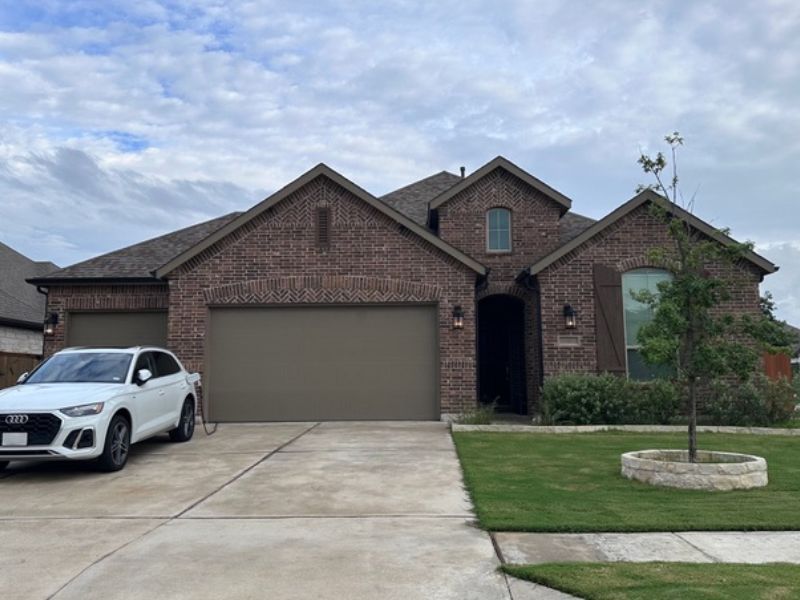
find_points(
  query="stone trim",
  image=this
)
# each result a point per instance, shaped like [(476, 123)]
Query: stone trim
[(714, 471)]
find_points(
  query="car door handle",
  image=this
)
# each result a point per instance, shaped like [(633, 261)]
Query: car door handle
[(161, 392)]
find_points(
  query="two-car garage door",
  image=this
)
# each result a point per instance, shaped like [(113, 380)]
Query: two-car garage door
[(322, 363)]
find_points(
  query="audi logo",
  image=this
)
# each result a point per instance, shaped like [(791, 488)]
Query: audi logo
[(16, 419)]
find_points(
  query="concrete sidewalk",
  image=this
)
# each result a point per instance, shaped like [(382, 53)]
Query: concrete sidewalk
[(753, 547)]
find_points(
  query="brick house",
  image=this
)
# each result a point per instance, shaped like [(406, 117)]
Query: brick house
[(325, 302)]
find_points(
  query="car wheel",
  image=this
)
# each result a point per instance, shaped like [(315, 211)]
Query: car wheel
[(185, 429), (117, 446)]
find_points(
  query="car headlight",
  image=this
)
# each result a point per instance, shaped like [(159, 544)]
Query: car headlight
[(84, 410)]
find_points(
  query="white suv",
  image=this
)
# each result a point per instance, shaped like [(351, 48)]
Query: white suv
[(93, 403)]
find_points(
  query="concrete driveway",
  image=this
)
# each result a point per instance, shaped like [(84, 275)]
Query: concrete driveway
[(331, 510)]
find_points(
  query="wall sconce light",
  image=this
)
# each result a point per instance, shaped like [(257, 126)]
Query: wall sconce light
[(570, 317), (458, 317), (50, 323)]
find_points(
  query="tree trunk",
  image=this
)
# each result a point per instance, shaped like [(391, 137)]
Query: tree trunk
[(692, 420)]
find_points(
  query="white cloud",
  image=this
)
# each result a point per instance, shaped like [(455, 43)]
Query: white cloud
[(110, 108)]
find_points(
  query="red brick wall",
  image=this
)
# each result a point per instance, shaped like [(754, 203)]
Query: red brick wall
[(63, 299), (623, 246), (371, 259), (534, 223), (534, 233)]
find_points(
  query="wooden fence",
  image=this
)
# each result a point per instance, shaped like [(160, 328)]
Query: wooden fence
[(14, 365), (778, 365)]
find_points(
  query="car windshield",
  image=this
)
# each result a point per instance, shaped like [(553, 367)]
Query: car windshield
[(83, 367)]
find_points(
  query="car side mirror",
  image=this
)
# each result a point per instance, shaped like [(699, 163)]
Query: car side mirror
[(143, 376), (23, 377)]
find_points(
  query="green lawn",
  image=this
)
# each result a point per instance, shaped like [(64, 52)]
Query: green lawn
[(666, 581), (560, 482)]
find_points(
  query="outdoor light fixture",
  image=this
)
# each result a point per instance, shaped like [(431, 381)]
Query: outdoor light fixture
[(50, 323), (570, 317), (458, 317)]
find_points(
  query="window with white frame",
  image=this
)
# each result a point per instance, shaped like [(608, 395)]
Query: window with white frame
[(638, 314), (498, 230)]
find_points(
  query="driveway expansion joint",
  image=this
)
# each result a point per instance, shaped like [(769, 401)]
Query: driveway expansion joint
[(244, 471), (178, 515)]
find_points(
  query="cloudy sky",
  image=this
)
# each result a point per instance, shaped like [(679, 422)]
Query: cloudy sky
[(123, 120)]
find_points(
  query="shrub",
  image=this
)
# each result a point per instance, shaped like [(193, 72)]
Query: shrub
[(654, 402), (607, 399), (757, 403)]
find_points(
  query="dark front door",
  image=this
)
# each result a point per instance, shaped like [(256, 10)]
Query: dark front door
[(501, 353)]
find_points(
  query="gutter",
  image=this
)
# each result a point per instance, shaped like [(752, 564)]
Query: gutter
[(47, 281), (22, 324)]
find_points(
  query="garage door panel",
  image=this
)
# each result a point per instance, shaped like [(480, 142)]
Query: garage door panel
[(322, 363), (117, 328)]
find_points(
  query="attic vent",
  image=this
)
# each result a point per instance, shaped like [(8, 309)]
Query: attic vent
[(323, 227)]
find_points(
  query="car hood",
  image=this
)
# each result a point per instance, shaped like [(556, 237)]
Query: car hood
[(52, 396)]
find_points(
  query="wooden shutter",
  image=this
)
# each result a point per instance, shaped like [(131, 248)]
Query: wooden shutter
[(323, 227), (609, 322)]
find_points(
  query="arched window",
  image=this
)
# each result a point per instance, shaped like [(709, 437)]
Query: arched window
[(498, 230), (637, 314)]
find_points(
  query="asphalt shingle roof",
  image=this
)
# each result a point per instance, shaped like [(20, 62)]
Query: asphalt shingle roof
[(571, 225), (140, 260), (19, 301), (412, 200)]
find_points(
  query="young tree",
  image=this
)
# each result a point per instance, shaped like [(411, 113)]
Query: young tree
[(687, 334)]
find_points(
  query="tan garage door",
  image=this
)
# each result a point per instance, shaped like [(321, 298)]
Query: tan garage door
[(117, 328), (322, 363)]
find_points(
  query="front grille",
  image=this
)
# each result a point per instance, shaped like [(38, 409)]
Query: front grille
[(26, 453), (41, 427)]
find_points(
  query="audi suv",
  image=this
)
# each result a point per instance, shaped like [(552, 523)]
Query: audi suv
[(93, 403)]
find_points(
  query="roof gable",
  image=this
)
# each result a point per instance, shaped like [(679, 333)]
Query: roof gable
[(644, 197), (318, 171), (503, 163)]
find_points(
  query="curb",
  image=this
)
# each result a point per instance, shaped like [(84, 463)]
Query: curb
[(631, 428)]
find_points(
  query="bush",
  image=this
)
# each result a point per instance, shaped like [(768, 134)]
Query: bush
[(607, 400), (757, 403), (654, 402)]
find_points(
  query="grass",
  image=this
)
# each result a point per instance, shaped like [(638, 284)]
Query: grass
[(665, 581), (565, 482)]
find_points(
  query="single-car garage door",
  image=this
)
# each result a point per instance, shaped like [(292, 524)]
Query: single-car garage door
[(117, 328), (322, 363)]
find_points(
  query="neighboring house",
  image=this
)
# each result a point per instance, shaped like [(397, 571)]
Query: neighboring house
[(325, 302), (22, 313), (795, 352)]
